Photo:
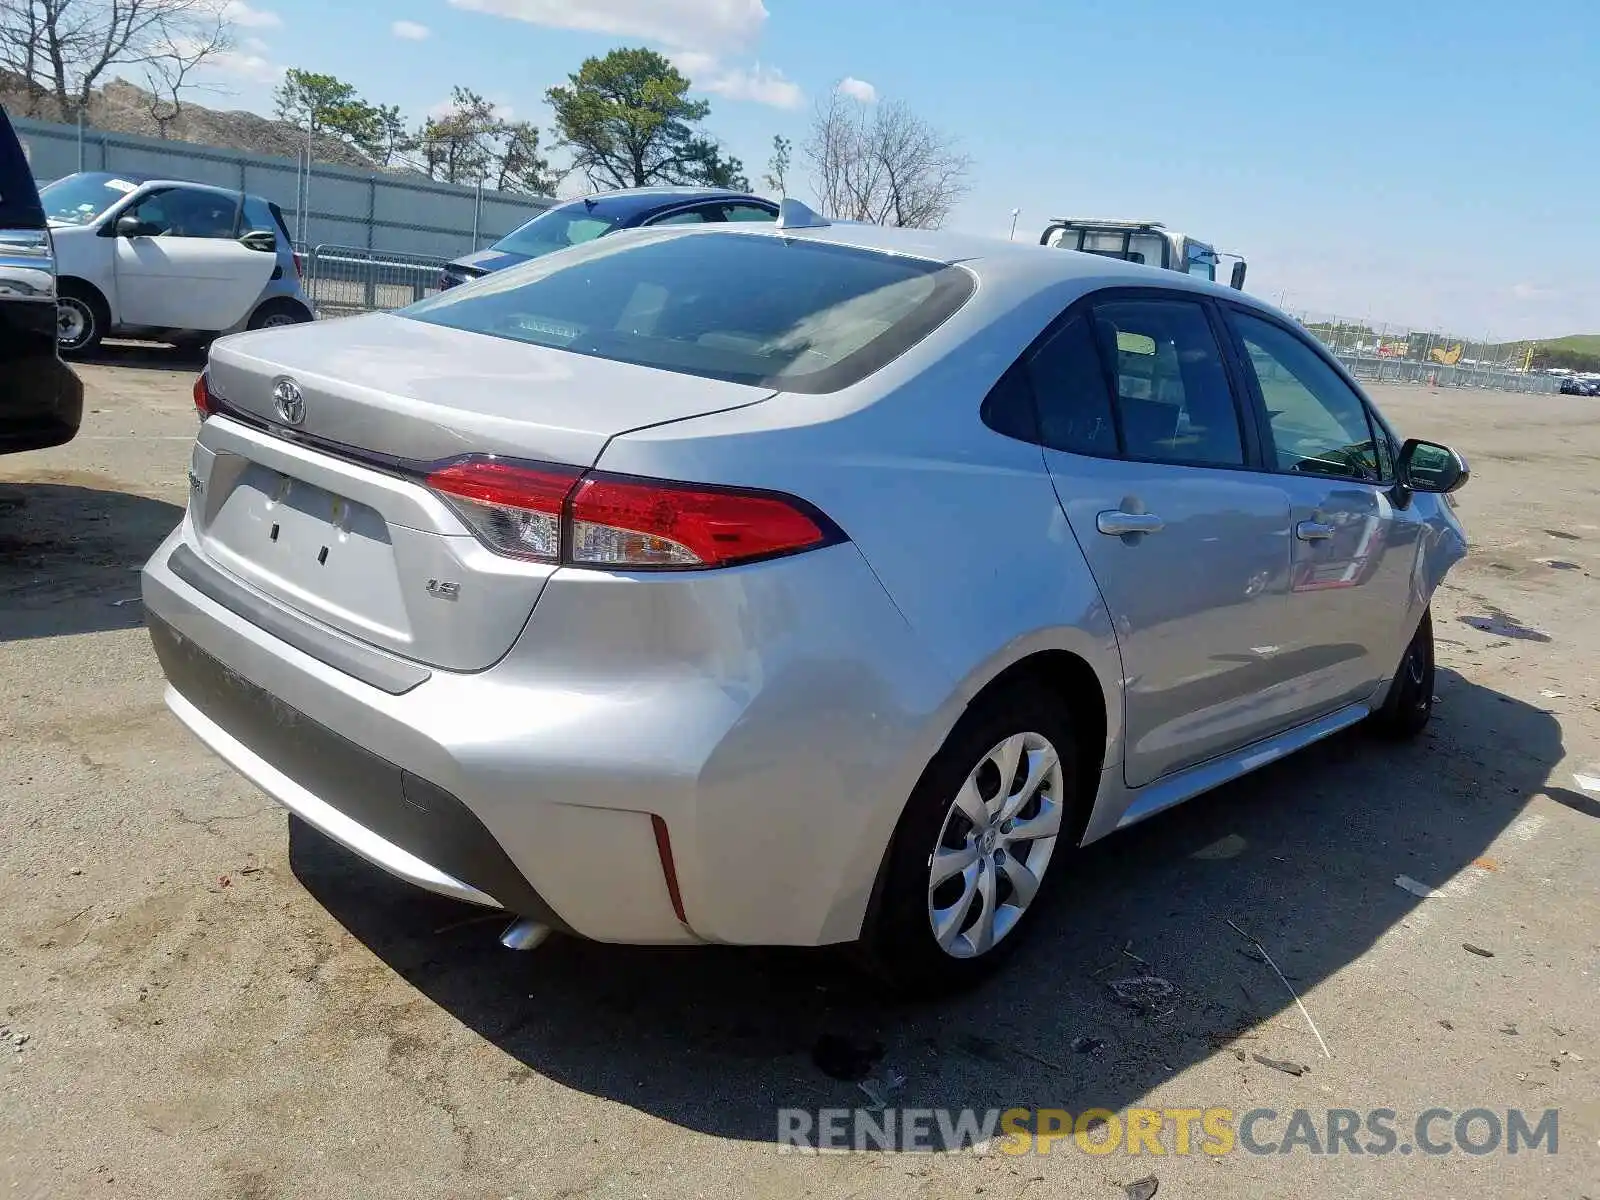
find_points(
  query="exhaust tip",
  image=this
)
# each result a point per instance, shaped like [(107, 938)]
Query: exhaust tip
[(524, 934)]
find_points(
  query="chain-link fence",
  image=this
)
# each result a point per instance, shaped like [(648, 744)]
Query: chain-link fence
[(1395, 354), (344, 280)]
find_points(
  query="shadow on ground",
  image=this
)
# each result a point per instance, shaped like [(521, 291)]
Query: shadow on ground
[(70, 547), (1302, 856), (147, 356)]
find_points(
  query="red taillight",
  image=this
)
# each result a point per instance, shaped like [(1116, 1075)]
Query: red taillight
[(556, 514), (202, 396), (515, 510), (299, 268), (642, 523)]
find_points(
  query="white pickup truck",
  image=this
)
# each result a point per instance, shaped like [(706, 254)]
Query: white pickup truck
[(1147, 242)]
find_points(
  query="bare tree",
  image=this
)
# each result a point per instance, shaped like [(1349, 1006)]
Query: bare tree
[(62, 48), (884, 164), (167, 76)]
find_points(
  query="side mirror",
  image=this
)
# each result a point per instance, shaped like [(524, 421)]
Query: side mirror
[(131, 227), (1236, 280), (1430, 467)]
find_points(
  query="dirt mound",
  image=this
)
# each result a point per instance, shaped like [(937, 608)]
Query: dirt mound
[(122, 107)]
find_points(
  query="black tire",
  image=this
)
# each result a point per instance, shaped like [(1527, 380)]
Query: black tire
[(1408, 707), (899, 947), (278, 312), (83, 312)]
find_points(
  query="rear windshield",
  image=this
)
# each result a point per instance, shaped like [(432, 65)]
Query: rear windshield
[(556, 229), (796, 315)]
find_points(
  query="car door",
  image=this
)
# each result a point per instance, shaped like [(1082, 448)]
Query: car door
[(1156, 470), (1354, 550), (185, 267)]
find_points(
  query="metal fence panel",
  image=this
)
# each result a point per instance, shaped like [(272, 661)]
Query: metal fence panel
[(343, 280), (336, 205)]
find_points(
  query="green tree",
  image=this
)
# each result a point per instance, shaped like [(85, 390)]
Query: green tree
[(454, 145), (326, 104), (778, 167), (394, 139), (628, 122), (521, 167), (472, 143)]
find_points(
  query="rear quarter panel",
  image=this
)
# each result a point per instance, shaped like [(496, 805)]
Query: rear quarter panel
[(960, 524)]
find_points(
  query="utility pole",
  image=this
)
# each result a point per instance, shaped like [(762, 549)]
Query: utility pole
[(1015, 213)]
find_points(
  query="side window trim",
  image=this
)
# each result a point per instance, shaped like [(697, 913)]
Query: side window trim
[(1376, 426), (1254, 423)]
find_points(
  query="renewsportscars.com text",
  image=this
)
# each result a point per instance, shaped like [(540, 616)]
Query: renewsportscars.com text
[(1177, 1131)]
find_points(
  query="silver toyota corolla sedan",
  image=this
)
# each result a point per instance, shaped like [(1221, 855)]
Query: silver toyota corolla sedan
[(800, 584)]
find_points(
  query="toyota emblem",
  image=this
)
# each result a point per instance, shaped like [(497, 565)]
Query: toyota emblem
[(290, 403)]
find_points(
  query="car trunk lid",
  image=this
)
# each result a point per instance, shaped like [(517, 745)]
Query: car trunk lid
[(315, 496)]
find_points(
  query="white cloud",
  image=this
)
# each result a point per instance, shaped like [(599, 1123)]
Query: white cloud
[(1527, 291), (858, 89), (763, 85), (410, 31), (239, 13), (690, 24), (242, 64), (760, 84)]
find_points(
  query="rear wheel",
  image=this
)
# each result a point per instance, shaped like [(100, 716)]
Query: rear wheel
[(1408, 707), (973, 854), (275, 314), (81, 319)]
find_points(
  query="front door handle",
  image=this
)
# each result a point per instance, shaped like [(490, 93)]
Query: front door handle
[(1117, 523), (1313, 531)]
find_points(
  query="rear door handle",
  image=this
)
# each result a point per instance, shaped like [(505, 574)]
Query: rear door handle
[(1313, 531), (1117, 523)]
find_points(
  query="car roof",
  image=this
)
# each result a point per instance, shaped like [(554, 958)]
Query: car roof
[(626, 203), (1027, 266), (142, 179)]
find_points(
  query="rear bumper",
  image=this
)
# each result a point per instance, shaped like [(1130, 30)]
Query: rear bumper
[(774, 718), (406, 825)]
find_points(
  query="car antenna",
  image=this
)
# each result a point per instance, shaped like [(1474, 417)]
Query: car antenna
[(792, 214)]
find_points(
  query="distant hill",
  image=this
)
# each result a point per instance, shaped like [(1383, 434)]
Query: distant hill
[(1575, 343), (121, 107), (1575, 352)]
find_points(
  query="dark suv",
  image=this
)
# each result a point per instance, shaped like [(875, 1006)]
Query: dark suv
[(579, 221), (41, 401)]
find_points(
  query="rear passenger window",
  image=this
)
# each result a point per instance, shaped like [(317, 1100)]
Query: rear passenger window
[(746, 212), (260, 220), (1173, 397), (1070, 389)]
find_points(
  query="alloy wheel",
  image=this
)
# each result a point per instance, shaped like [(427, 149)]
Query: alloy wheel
[(995, 845)]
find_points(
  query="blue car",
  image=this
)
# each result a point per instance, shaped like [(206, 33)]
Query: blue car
[(579, 221)]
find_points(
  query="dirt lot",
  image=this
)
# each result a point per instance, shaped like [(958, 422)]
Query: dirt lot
[(199, 1001)]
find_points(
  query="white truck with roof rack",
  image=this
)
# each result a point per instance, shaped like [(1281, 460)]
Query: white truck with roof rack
[(1147, 242)]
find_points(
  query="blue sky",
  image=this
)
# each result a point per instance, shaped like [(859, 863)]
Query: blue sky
[(1433, 163)]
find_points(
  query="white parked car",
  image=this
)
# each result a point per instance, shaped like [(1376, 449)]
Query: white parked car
[(168, 260)]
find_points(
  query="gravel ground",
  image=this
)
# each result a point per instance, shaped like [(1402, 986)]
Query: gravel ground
[(199, 999)]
